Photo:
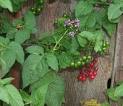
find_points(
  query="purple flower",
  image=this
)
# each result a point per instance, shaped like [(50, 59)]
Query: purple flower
[(67, 22), (74, 23), (77, 23)]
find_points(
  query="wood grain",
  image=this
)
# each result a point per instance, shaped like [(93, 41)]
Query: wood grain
[(118, 62)]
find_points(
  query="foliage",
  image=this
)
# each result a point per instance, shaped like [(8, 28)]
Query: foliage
[(9, 94), (116, 93), (75, 38), (6, 4), (38, 7)]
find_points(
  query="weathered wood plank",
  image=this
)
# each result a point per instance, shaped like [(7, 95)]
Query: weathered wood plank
[(118, 62)]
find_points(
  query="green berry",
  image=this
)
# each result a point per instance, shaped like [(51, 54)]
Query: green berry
[(104, 48), (104, 45), (34, 12), (107, 43), (76, 65), (79, 63), (72, 64), (39, 9), (81, 59), (32, 8), (83, 63), (89, 57), (84, 57)]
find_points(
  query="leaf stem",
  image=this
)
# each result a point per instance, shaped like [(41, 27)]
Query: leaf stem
[(57, 43)]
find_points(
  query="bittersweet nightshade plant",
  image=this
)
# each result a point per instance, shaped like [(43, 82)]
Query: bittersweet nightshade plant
[(76, 43)]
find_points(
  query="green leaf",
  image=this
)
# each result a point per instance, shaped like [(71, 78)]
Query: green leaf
[(9, 57), (35, 49), (110, 93), (3, 67), (40, 87), (74, 45), (109, 27), (6, 4), (5, 24), (29, 69), (38, 95), (119, 91), (34, 68), (26, 97), (14, 96), (114, 11), (100, 15), (88, 35), (88, 21), (105, 104), (117, 1), (55, 94), (83, 8), (52, 61), (64, 60), (22, 35), (48, 78), (18, 50), (82, 41), (4, 41), (91, 21), (4, 95), (30, 22), (17, 4), (6, 81)]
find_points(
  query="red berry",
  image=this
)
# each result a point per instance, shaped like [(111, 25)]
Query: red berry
[(80, 77), (94, 73), (84, 78), (92, 77), (90, 73), (91, 65), (81, 72)]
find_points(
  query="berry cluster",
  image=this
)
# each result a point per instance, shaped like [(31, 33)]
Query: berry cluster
[(73, 26), (39, 4), (89, 70), (78, 63), (105, 45)]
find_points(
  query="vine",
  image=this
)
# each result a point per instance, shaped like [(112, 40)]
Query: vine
[(76, 43)]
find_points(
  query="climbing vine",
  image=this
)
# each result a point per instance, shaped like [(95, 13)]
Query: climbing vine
[(76, 43)]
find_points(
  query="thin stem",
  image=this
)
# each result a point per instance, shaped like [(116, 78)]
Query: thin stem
[(57, 43)]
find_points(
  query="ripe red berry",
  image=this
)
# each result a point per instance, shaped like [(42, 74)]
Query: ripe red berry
[(83, 78), (80, 77), (94, 73), (92, 77), (91, 65), (81, 72), (90, 73)]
